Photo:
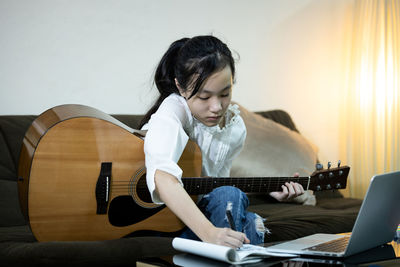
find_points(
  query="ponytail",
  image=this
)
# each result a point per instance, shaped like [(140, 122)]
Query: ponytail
[(164, 77)]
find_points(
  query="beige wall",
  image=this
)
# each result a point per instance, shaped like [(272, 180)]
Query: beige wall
[(102, 53)]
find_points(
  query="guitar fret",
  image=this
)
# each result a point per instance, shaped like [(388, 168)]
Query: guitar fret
[(308, 183)]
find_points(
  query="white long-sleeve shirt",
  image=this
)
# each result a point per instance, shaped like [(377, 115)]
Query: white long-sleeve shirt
[(169, 130)]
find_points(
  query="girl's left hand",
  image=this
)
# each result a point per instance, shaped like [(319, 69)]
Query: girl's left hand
[(289, 191)]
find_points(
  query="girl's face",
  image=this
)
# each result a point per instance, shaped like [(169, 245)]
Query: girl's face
[(212, 100)]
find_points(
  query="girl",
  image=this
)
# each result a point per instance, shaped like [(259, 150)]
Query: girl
[(195, 78)]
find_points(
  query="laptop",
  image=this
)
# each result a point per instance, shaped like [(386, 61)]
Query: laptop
[(375, 225)]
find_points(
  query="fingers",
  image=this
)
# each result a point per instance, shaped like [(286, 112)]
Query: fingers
[(233, 239), (289, 191), (294, 189), (298, 189)]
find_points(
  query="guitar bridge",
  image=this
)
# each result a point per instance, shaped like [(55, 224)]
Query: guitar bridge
[(103, 188)]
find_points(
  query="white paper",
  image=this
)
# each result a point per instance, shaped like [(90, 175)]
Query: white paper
[(246, 254)]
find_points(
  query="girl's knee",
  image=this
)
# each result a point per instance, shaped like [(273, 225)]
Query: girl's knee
[(221, 196), (232, 194), (228, 191)]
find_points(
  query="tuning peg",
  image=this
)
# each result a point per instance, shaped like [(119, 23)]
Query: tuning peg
[(319, 166), (328, 187), (338, 164), (329, 165)]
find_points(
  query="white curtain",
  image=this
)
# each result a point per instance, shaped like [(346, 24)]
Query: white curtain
[(370, 125)]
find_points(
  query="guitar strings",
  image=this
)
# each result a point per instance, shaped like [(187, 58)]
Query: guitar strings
[(211, 183), (223, 180)]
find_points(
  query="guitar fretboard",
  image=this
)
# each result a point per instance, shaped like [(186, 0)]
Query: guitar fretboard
[(195, 186)]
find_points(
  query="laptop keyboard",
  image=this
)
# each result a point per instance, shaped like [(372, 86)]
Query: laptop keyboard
[(337, 245)]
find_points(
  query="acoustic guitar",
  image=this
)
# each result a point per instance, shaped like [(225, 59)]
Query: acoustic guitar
[(82, 176)]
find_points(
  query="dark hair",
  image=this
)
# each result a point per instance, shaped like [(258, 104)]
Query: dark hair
[(191, 61)]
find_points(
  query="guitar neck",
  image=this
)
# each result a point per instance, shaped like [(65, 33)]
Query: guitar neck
[(196, 186)]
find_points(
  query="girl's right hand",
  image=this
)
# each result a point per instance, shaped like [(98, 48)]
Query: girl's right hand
[(227, 237), (184, 207)]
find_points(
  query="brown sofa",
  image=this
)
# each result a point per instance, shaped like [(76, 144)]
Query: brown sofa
[(331, 214)]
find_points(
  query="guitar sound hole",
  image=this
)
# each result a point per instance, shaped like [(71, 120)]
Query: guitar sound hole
[(142, 191)]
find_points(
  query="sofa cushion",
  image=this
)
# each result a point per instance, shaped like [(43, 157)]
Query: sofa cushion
[(20, 233), (272, 149), (129, 120), (7, 166), (13, 130), (288, 221), (9, 204)]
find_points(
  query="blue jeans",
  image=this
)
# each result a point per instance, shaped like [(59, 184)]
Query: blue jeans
[(214, 205)]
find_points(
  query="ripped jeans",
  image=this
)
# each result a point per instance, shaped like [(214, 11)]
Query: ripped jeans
[(214, 205)]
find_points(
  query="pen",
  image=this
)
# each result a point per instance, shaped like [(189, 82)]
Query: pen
[(229, 216)]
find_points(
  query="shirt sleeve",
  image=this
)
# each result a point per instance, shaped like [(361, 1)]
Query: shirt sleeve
[(163, 145)]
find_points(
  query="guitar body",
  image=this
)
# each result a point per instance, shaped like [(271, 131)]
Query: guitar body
[(63, 185), (82, 176)]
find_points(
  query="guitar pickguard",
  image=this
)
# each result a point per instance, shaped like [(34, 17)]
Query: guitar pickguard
[(124, 211)]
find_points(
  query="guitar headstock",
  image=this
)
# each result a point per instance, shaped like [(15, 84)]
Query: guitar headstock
[(330, 178)]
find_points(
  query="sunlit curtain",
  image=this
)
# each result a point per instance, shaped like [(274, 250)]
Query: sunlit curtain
[(370, 132)]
